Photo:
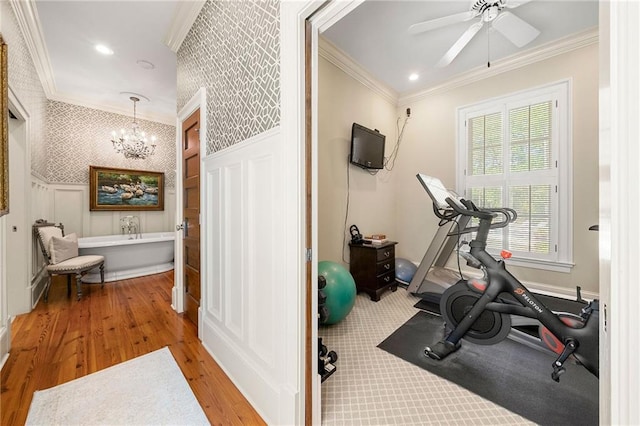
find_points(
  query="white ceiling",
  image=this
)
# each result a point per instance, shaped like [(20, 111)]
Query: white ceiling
[(375, 35), (135, 31)]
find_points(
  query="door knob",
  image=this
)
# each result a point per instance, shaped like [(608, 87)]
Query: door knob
[(183, 227)]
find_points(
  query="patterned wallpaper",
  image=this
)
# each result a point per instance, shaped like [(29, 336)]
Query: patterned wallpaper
[(79, 137), (233, 50), (24, 81)]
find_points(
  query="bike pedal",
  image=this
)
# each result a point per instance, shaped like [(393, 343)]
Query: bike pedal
[(441, 349), (557, 373), (429, 352)]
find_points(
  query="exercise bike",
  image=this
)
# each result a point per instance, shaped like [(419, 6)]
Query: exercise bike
[(480, 310)]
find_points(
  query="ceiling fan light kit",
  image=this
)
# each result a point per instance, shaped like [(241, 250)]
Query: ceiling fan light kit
[(490, 12)]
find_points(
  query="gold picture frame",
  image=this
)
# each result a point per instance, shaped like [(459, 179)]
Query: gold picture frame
[(125, 189), (4, 142)]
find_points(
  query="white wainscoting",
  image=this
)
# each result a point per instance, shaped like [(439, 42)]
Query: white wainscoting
[(244, 296), (70, 206), (41, 208), (5, 320)]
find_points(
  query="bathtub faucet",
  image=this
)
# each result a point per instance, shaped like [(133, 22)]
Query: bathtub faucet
[(131, 224)]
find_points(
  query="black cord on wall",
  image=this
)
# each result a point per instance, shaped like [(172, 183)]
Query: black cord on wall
[(346, 214)]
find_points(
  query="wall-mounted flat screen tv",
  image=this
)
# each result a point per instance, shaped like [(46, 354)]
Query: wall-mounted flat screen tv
[(367, 147)]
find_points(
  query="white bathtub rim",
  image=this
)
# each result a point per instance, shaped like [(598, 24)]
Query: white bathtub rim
[(119, 240)]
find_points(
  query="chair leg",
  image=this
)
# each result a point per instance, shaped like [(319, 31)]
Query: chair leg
[(79, 284), (46, 289), (102, 275), (68, 285)]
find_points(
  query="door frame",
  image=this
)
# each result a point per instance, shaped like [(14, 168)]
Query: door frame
[(293, 48), (18, 108), (615, 403), (198, 100)]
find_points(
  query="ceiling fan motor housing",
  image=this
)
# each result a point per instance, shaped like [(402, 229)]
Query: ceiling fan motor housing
[(492, 7)]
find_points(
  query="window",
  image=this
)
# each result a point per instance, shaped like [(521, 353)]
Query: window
[(515, 152)]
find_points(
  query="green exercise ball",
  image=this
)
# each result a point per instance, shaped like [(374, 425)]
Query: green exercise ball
[(340, 290)]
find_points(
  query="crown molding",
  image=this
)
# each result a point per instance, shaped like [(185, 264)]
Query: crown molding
[(337, 57), (184, 16), (333, 54), (169, 119), (29, 23), (518, 60)]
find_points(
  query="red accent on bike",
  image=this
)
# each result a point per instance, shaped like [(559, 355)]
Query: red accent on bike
[(550, 340), (505, 254), (479, 285), (572, 322)]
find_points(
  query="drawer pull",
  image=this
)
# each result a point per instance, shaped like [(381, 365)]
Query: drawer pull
[(387, 253), (386, 279), (387, 266)]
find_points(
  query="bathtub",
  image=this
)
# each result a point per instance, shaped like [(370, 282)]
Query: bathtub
[(128, 258)]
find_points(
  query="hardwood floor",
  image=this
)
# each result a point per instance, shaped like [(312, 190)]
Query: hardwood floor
[(65, 339)]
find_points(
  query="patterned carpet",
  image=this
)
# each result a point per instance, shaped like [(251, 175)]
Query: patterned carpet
[(373, 387)]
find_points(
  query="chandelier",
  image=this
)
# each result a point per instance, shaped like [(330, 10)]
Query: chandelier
[(133, 143)]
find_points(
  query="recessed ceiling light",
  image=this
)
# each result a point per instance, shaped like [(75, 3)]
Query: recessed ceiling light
[(145, 64), (104, 49), (413, 77)]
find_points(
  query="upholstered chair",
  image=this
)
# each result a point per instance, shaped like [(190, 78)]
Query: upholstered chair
[(61, 254)]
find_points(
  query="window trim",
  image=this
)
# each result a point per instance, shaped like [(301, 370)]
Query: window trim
[(563, 154)]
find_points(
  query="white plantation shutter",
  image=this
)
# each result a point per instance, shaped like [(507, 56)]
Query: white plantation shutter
[(515, 153), (532, 231), (486, 144)]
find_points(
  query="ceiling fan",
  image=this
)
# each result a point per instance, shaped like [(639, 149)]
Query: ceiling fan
[(490, 12)]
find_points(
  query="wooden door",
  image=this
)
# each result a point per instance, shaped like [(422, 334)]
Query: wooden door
[(191, 214)]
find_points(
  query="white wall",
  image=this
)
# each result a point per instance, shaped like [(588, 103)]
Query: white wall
[(341, 102), (431, 148), (69, 205), (396, 203)]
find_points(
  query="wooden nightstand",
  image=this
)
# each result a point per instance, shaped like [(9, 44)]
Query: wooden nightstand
[(373, 268)]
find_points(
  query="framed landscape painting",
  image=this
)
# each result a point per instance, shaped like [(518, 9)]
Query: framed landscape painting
[(123, 189)]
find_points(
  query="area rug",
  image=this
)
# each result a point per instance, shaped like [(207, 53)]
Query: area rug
[(147, 390), (509, 374)]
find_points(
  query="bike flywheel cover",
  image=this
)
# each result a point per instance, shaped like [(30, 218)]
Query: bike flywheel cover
[(488, 329)]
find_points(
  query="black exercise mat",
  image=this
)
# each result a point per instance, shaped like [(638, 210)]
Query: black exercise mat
[(429, 307), (508, 374)]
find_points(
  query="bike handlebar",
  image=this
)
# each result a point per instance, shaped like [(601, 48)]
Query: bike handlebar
[(484, 214)]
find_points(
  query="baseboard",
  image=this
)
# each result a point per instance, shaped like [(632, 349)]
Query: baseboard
[(562, 292), (546, 289), (38, 285), (269, 397), (5, 342)]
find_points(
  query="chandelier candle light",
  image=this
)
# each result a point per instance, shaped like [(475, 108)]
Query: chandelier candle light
[(133, 144)]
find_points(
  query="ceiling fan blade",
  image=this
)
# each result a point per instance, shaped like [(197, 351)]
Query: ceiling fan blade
[(459, 44), (441, 22), (512, 4), (515, 29)]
